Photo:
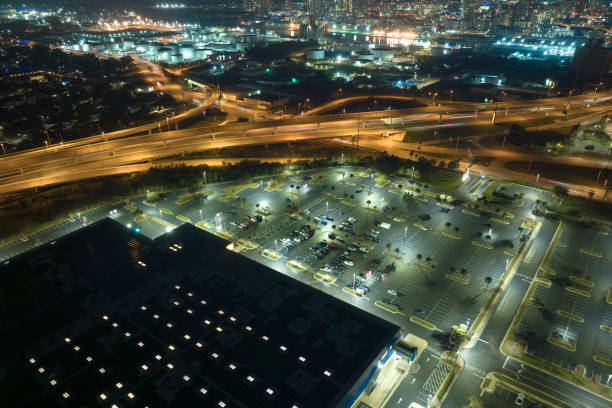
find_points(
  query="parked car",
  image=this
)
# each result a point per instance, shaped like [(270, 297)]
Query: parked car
[(520, 398)]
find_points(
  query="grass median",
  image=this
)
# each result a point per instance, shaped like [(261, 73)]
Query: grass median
[(386, 307), (422, 322)]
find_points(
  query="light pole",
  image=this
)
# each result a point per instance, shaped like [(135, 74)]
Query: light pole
[(433, 99), (204, 178), (326, 207), (405, 232)]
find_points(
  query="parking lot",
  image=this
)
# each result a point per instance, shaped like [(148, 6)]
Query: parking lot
[(505, 398), (568, 323), (425, 257), (420, 261)]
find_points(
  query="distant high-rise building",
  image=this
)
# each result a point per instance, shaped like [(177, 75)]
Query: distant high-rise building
[(319, 8), (360, 8), (592, 64), (258, 7), (581, 5)]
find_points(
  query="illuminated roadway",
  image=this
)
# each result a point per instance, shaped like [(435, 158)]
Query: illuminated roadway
[(123, 152)]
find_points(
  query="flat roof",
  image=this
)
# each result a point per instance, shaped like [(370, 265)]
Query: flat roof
[(107, 317)]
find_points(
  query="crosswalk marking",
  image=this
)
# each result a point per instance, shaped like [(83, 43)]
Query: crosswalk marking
[(475, 369)]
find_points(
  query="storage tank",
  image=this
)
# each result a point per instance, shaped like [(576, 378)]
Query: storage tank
[(318, 54), (187, 51), (164, 53), (383, 53), (202, 53)]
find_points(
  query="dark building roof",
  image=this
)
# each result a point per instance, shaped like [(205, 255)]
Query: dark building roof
[(105, 317)]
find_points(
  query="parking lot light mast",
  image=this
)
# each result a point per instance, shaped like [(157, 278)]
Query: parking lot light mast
[(204, 178)]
